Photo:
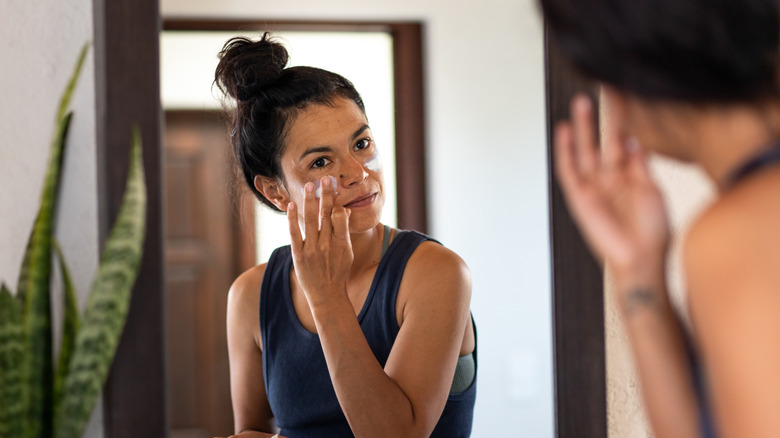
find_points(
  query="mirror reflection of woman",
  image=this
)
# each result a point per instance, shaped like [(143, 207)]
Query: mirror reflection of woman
[(697, 81), (355, 328)]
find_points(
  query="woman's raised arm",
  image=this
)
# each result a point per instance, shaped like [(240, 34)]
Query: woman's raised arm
[(407, 397), (620, 211)]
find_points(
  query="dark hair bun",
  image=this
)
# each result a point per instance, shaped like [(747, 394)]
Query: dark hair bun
[(247, 67), (268, 98)]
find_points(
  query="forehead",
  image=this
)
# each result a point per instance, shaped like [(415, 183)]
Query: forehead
[(324, 125)]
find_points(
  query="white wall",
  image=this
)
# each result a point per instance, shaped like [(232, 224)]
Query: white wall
[(487, 177), (39, 43)]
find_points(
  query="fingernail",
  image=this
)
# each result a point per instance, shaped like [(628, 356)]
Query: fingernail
[(318, 189), (326, 181), (583, 103), (309, 187), (291, 206)]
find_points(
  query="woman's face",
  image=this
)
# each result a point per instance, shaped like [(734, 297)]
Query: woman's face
[(336, 142)]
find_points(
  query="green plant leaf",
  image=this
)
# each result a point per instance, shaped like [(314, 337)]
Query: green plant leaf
[(24, 272), (70, 326), (107, 304), (11, 351), (62, 123), (35, 281), (67, 94), (36, 287)]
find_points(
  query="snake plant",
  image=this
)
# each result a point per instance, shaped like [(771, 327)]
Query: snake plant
[(41, 398)]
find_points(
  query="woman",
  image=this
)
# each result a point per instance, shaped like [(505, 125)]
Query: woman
[(695, 80), (361, 327)]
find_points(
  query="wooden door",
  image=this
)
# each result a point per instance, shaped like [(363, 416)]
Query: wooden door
[(207, 244)]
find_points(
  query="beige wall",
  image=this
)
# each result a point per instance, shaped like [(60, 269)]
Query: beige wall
[(39, 42), (686, 192)]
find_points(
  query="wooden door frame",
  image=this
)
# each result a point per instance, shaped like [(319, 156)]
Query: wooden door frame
[(408, 55), (578, 288), (127, 94)]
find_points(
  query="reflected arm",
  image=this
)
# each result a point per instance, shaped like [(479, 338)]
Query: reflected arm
[(251, 409)]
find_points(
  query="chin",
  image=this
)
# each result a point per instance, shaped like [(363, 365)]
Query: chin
[(361, 220), (363, 224)]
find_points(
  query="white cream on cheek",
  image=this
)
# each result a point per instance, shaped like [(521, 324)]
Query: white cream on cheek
[(374, 163)]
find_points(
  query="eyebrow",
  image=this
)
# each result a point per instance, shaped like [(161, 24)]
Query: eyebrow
[(319, 149)]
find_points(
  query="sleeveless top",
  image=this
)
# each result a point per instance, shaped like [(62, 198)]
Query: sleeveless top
[(297, 381)]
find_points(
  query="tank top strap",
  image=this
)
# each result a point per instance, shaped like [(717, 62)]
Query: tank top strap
[(271, 294), (377, 318), (386, 239), (767, 157)]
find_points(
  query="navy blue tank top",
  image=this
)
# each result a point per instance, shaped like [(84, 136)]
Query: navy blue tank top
[(297, 381)]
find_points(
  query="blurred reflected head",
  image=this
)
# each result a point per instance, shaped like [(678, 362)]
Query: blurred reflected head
[(698, 51)]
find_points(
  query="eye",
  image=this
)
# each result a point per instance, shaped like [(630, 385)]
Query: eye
[(364, 143), (320, 162)]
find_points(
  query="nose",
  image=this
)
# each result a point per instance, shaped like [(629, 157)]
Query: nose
[(352, 172)]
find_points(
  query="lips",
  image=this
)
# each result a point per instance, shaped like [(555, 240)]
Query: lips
[(362, 201)]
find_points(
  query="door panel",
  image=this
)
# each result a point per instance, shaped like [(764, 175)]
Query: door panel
[(205, 250)]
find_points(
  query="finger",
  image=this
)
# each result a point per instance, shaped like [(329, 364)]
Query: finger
[(310, 213), (326, 209), (295, 229), (585, 138), (341, 225), (565, 166), (614, 154), (638, 161)]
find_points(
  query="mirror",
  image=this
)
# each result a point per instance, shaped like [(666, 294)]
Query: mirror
[(206, 242), (486, 184)]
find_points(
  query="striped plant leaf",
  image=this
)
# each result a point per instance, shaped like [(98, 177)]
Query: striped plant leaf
[(24, 273), (107, 305), (67, 94), (11, 350), (37, 301), (34, 283), (62, 122), (70, 326)]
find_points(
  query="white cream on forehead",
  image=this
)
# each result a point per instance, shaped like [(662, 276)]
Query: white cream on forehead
[(374, 163)]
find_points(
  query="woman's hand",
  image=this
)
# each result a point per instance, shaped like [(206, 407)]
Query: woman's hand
[(612, 196), (323, 258)]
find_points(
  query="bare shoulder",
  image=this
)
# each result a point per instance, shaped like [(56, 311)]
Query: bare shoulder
[(732, 269), (435, 274), (436, 263), (738, 232), (245, 289), (732, 252)]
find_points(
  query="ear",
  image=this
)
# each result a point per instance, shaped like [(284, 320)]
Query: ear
[(273, 190)]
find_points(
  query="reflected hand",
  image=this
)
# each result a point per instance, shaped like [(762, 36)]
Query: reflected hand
[(612, 196), (323, 258)]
